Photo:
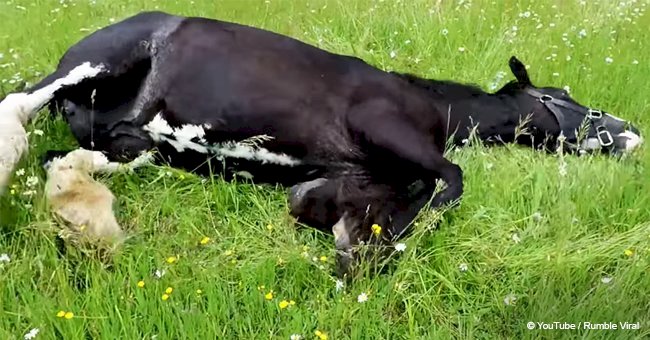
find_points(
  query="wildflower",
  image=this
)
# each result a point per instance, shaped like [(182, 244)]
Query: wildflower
[(171, 259), (283, 304), (181, 177), (323, 258), (376, 229), (31, 334), (537, 216), (68, 315), (463, 267), (606, 279), (461, 49), (321, 335), (199, 292), (60, 314), (393, 54), (169, 290), (363, 297), (628, 252), (567, 88), (339, 285), (400, 247), (20, 172), (260, 287), (609, 60), (227, 252), (510, 299), (444, 31), (269, 227), (292, 303), (165, 297), (140, 284), (205, 240), (635, 62), (515, 238), (582, 33), (269, 295), (4, 258), (38, 132), (159, 273), (31, 181), (295, 337)]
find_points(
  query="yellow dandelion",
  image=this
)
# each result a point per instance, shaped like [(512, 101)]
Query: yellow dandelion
[(171, 259), (321, 335), (60, 314), (198, 291), (169, 290), (323, 258), (140, 284), (376, 229), (269, 295), (629, 252), (269, 227), (165, 297), (68, 315), (205, 240), (283, 304)]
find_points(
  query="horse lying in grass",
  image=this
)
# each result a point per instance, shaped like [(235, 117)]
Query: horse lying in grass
[(351, 139)]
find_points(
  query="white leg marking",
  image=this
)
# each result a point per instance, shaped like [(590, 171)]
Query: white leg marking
[(17, 109), (341, 237)]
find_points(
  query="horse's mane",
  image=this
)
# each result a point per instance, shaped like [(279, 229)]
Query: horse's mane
[(449, 89)]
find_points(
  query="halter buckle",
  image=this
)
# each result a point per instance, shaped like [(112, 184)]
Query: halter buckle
[(545, 98), (594, 114), (604, 137)]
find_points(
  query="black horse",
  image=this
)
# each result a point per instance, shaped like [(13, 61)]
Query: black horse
[(351, 138)]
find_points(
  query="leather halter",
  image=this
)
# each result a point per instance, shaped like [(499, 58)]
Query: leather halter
[(595, 117)]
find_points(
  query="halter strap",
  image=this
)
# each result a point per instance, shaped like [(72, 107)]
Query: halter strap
[(595, 117)]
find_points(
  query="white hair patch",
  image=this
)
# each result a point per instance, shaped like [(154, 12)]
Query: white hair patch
[(192, 137)]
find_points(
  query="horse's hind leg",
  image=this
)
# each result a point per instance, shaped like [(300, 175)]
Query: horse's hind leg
[(386, 135)]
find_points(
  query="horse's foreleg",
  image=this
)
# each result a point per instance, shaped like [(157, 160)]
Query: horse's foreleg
[(17, 109)]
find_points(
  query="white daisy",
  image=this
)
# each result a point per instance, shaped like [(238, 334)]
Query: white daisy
[(400, 247), (339, 285), (4, 258), (363, 297), (295, 337), (510, 299), (606, 279), (31, 334), (463, 267)]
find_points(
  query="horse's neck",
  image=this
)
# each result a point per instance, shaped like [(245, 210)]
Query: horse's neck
[(487, 116)]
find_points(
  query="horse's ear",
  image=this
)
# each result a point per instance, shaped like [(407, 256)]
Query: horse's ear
[(519, 70)]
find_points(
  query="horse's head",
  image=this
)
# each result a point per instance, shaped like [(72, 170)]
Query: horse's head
[(553, 112)]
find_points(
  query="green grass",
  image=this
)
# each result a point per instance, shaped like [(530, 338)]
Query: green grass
[(574, 229)]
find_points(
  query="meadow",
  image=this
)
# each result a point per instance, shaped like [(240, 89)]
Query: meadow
[(539, 237)]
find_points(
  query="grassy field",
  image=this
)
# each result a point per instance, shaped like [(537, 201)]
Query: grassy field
[(528, 243)]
